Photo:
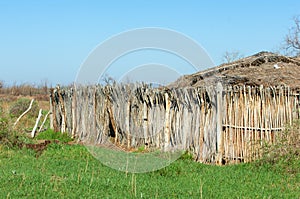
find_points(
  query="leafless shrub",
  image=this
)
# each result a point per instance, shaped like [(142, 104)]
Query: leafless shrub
[(231, 56), (18, 107), (292, 39)]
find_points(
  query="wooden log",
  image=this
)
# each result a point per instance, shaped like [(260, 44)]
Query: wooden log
[(62, 111), (44, 121), (73, 107), (145, 123), (36, 124), (51, 109), (167, 122), (54, 110), (127, 121), (219, 124)]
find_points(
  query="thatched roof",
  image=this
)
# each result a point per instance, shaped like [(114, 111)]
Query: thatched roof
[(264, 68)]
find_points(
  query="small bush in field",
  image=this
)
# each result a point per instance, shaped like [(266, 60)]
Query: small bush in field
[(186, 156), (8, 137), (284, 154), (22, 105), (4, 130), (51, 135), (1, 111)]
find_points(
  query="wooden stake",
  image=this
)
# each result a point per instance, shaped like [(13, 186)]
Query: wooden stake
[(167, 122), (36, 124), (219, 128)]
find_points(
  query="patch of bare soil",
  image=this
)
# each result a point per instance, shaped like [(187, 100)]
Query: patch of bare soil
[(38, 147)]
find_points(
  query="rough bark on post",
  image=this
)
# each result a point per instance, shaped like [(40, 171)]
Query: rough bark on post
[(62, 110), (51, 110), (113, 123), (145, 122), (55, 126), (219, 128), (167, 123), (74, 113), (127, 122)]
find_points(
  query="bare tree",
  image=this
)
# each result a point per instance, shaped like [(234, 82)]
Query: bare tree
[(292, 39), (107, 80), (231, 56)]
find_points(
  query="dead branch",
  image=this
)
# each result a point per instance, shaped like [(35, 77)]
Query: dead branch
[(46, 116), (36, 124), (24, 113), (292, 41)]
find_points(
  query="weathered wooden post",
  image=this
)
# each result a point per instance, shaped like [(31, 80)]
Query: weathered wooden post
[(51, 111), (219, 127), (127, 120), (53, 118), (145, 122), (73, 107), (62, 110), (167, 123), (36, 124)]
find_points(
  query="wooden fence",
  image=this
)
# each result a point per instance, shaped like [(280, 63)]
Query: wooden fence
[(218, 125)]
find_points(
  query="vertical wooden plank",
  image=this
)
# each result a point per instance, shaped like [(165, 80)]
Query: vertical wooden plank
[(202, 123), (231, 131), (127, 121), (145, 122), (245, 123), (219, 127), (74, 121), (62, 110), (52, 109)]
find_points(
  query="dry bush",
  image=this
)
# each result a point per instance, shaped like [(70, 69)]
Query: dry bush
[(285, 152), (21, 105), (24, 89)]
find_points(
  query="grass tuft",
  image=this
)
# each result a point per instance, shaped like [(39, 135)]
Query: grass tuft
[(51, 135)]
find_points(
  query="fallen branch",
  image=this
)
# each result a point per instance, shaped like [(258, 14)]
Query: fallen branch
[(40, 129), (36, 124), (24, 113)]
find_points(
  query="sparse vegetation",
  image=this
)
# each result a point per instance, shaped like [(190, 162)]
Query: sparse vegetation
[(8, 137), (51, 135), (38, 91), (284, 154), (18, 107), (229, 57), (15, 136)]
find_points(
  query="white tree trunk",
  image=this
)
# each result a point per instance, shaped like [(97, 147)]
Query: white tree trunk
[(36, 124)]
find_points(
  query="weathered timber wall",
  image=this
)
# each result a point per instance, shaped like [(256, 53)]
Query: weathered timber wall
[(219, 125)]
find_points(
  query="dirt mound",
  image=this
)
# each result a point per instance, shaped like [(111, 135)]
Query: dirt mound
[(264, 68)]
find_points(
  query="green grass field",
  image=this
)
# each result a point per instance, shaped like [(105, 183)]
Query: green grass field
[(69, 171)]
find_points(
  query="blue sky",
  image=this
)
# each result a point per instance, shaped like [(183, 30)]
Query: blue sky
[(49, 40)]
